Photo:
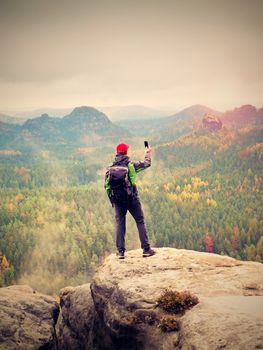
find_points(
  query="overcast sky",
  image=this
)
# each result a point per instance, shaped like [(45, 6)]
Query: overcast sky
[(174, 53)]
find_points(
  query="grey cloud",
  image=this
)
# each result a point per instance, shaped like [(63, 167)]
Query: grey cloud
[(119, 50)]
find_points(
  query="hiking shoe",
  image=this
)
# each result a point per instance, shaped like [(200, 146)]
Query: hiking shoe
[(120, 254), (148, 252)]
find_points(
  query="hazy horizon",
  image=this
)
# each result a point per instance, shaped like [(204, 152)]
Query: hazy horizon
[(165, 109), (159, 54)]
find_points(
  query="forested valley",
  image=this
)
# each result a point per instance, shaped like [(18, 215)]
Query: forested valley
[(202, 192)]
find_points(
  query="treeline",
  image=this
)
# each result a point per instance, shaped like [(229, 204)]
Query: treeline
[(229, 149), (214, 215), (203, 192), (56, 235), (212, 199), (47, 173), (62, 234)]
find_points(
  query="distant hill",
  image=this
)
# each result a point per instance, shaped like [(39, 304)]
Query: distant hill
[(11, 120), (113, 112), (241, 128), (168, 128), (244, 114), (186, 121), (87, 119), (192, 112), (54, 112), (87, 127), (83, 127), (182, 123)]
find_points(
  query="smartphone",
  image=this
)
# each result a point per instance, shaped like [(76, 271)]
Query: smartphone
[(146, 144)]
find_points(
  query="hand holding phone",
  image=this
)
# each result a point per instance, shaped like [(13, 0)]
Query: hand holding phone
[(147, 147)]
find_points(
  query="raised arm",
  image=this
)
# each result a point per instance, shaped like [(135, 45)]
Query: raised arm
[(139, 166)]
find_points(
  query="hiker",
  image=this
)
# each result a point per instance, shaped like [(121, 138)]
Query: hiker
[(122, 191)]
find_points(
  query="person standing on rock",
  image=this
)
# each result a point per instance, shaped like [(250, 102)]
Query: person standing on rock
[(122, 191)]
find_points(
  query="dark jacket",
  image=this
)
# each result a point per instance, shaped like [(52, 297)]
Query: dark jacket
[(133, 169)]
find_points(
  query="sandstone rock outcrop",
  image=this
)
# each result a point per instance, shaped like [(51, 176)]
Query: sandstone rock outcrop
[(27, 319), (119, 311), (211, 122), (76, 326), (229, 314)]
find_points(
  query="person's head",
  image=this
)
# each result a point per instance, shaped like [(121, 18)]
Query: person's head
[(122, 148)]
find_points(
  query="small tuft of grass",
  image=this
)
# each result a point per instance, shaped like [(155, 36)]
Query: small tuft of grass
[(176, 302), (169, 324)]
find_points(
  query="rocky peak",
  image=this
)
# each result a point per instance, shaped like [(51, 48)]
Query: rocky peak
[(44, 116), (211, 122)]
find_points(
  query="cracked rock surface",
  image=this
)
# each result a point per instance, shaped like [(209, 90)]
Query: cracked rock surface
[(229, 314), (118, 310), (77, 311), (27, 319)]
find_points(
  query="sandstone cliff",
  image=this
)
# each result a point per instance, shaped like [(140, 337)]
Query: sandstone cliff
[(77, 322), (27, 319), (119, 309), (229, 314)]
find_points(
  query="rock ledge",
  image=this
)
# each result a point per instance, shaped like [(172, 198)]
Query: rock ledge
[(27, 319), (118, 310), (229, 314)]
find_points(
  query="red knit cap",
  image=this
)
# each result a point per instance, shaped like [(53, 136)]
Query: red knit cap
[(122, 148)]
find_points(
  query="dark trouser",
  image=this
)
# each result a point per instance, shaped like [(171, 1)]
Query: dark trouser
[(134, 207)]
